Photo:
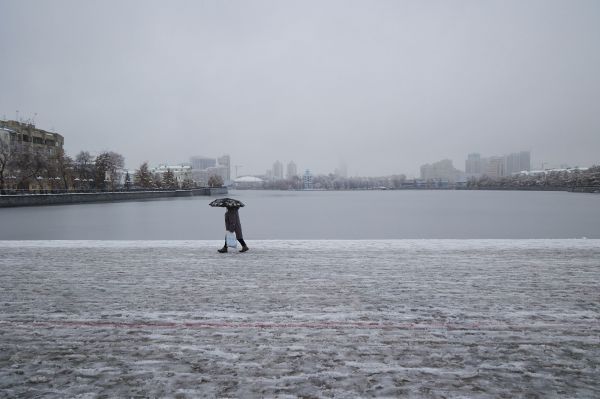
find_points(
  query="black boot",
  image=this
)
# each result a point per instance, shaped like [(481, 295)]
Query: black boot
[(244, 249), (223, 250)]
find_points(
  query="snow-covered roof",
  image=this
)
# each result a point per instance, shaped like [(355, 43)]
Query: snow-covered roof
[(248, 179), (545, 171), (172, 167)]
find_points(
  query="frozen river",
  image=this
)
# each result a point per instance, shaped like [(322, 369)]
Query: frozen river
[(397, 318)]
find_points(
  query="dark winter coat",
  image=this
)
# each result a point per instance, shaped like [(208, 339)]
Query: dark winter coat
[(232, 222)]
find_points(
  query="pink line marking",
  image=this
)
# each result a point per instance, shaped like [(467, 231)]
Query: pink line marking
[(275, 325)]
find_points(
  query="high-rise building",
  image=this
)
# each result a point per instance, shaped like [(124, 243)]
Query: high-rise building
[(225, 162), (518, 162), (441, 170), (525, 160), (201, 163), (473, 165), (292, 170), (277, 170), (495, 167)]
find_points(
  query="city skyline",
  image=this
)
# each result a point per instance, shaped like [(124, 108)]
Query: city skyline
[(501, 165), (332, 166), (493, 165)]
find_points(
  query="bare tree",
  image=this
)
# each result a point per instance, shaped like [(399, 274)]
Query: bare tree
[(60, 169), (5, 159), (29, 165), (85, 169)]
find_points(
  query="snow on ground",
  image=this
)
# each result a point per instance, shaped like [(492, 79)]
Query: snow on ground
[(413, 318)]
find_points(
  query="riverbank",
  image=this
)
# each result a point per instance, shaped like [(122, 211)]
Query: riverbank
[(7, 201)]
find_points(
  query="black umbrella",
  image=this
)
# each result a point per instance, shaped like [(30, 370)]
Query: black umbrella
[(227, 203)]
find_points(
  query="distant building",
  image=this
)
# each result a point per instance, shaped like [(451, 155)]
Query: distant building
[(292, 170), (248, 182), (225, 162), (517, 162), (221, 171), (27, 137), (473, 165), (201, 177), (203, 168), (5, 135), (307, 180), (180, 172), (201, 163), (277, 171), (442, 171), (497, 166)]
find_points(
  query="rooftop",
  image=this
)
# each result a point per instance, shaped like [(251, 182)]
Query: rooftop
[(248, 179)]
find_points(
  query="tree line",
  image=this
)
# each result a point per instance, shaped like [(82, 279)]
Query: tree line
[(585, 180), (24, 168), (335, 182), (567, 180)]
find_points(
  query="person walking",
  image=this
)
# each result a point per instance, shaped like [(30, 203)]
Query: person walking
[(232, 224)]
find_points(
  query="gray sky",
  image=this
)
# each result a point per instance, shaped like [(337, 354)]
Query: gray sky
[(383, 85)]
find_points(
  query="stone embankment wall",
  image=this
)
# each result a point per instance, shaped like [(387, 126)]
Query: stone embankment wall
[(79, 198)]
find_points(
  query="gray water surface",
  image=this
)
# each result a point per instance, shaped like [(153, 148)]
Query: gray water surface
[(319, 215)]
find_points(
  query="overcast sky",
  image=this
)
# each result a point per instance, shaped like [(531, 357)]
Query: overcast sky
[(383, 86)]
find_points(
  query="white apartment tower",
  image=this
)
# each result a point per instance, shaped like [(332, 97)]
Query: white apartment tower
[(307, 179)]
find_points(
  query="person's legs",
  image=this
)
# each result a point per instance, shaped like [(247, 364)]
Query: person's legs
[(224, 249), (244, 246)]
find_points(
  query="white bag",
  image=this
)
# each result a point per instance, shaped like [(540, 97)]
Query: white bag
[(230, 239)]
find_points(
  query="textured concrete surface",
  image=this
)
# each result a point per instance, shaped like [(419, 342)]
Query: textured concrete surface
[(413, 318)]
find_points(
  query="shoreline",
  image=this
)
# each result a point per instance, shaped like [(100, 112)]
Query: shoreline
[(585, 190), (20, 200)]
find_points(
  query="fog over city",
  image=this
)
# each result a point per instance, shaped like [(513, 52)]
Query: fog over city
[(383, 86)]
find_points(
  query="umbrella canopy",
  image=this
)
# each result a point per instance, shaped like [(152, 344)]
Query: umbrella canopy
[(227, 203)]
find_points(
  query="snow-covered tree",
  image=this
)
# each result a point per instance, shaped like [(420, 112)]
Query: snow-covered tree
[(168, 180), (187, 184), (157, 181), (143, 178), (107, 165), (215, 181)]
